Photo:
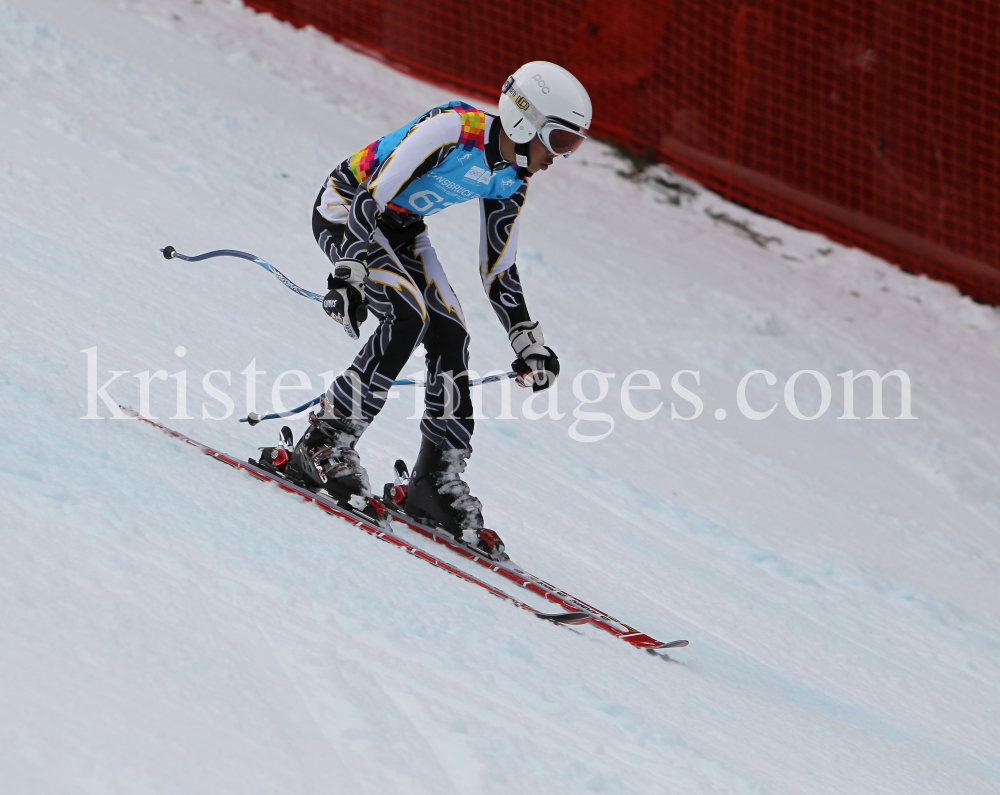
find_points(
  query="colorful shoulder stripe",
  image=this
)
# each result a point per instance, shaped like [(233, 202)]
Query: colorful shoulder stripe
[(364, 161), (473, 135)]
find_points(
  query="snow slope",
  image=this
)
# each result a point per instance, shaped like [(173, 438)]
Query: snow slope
[(167, 625)]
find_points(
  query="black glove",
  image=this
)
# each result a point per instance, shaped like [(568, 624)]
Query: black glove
[(346, 302), (536, 365)]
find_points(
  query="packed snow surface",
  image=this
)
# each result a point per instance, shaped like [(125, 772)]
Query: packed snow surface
[(169, 625)]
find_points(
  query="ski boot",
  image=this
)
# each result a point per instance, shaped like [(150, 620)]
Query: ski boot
[(324, 457), (436, 494)]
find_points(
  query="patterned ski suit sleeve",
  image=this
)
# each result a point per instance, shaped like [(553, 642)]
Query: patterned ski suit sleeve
[(425, 146), (497, 250)]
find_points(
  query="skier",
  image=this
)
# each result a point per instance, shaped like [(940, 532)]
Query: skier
[(368, 219)]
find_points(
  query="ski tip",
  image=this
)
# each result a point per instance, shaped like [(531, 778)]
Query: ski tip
[(673, 644), (168, 252), (566, 618)]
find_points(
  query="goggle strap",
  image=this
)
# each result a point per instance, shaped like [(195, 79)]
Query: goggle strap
[(531, 113)]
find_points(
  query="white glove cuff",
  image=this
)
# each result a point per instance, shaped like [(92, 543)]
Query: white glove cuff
[(527, 339), (351, 271)]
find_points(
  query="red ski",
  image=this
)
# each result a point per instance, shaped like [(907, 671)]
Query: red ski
[(376, 518), (515, 573)]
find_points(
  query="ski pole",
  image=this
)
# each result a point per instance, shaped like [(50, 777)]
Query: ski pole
[(253, 418), (170, 252)]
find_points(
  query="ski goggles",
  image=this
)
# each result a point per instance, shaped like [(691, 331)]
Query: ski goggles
[(560, 139), (558, 136)]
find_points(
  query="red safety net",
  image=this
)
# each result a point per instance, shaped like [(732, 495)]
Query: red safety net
[(873, 122)]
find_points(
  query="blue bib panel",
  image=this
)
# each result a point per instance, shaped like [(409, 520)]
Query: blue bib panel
[(462, 176)]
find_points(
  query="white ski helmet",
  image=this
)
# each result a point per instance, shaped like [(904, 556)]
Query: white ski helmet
[(543, 99)]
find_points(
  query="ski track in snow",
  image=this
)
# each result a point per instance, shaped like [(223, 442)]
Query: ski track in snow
[(168, 625)]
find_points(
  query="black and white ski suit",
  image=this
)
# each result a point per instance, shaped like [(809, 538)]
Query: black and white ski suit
[(371, 208)]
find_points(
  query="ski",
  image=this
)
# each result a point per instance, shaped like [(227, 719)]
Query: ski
[(376, 519), (525, 579)]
